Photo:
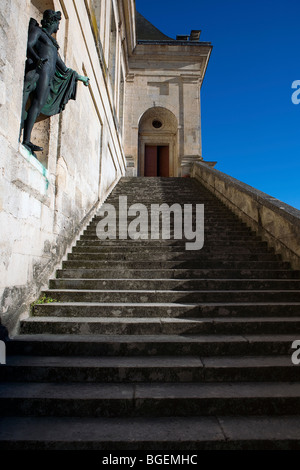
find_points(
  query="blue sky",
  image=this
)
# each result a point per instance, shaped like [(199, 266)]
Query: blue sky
[(249, 123)]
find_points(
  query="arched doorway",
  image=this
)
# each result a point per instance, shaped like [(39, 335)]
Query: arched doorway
[(158, 154)]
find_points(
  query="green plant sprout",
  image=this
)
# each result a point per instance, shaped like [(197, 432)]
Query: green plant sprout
[(42, 300)]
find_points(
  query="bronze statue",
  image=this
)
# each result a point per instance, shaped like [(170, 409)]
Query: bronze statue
[(48, 82)]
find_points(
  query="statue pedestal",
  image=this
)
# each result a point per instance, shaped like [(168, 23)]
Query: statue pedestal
[(33, 160)]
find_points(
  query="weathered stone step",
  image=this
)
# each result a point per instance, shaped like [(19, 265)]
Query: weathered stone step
[(147, 345), (170, 187), (162, 203), (210, 213), (211, 231), (162, 434), (210, 240), (213, 211), (165, 199), (142, 244), (126, 273), (149, 369), (210, 209), (157, 185), (160, 326), (166, 310), (193, 264), (148, 399), (166, 206), (173, 296), (202, 255), (211, 221), (210, 235), (149, 196), (175, 284), (172, 250), (107, 369)]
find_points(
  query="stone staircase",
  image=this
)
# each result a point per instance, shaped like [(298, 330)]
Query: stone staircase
[(149, 346)]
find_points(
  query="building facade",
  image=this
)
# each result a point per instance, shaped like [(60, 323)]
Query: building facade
[(139, 116)]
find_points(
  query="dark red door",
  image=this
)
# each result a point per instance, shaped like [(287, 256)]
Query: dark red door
[(156, 160), (163, 160), (150, 160)]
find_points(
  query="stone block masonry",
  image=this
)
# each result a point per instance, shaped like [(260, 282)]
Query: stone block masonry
[(45, 203)]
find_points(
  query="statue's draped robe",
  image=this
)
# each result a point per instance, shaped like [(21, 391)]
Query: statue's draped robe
[(62, 89)]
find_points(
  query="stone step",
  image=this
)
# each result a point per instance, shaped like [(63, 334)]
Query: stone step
[(192, 264), (149, 369), (126, 273), (147, 345), (164, 187), (173, 296), (210, 210), (210, 223), (160, 326), (160, 202), (202, 255), (172, 185), (149, 434), (132, 209), (211, 215), (211, 220), (148, 399), (209, 240), (152, 194), (175, 284), (169, 199), (167, 310), (210, 235), (211, 231), (172, 250), (161, 244)]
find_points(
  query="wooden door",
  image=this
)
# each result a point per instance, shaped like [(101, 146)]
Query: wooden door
[(163, 161), (156, 160), (150, 160)]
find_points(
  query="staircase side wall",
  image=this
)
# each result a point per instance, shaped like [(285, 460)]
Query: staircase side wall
[(45, 204), (276, 222)]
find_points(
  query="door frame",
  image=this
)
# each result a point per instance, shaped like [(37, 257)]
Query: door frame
[(159, 141)]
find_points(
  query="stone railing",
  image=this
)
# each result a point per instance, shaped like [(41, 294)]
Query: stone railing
[(273, 220)]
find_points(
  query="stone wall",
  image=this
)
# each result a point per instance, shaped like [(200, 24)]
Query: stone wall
[(45, 204), (276, 222)]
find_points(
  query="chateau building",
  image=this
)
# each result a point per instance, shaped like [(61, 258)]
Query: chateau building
[(139, 117)]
